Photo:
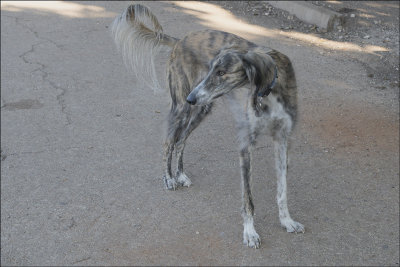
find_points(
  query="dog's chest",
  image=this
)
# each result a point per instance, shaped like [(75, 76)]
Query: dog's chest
[(273, 117)]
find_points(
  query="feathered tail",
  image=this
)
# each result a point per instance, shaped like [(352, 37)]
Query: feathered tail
[(138, 43)]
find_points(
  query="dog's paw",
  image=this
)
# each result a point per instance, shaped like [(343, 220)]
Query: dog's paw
[(292, 226), (170, 183), (251, 239), (250, 236), (183, 180)]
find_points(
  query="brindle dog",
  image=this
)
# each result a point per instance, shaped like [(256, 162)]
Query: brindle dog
[(258, 82)]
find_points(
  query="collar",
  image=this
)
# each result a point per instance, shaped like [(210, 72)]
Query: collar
[(269, 88)]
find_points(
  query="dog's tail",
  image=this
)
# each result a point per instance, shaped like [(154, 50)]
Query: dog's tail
[(140, 44)]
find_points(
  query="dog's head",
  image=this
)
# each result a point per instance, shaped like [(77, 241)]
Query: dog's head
[(231, 69)]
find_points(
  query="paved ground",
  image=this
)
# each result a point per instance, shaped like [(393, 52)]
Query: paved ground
[(81, 148)]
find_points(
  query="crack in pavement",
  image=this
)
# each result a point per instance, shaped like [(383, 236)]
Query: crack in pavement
[(45, 74), (84, 259), (5, 155)]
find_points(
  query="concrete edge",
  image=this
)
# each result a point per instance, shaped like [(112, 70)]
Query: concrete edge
[(320, 16)]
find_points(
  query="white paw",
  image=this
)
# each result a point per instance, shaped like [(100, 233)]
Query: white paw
[(251, 240), (250, 236), (183, 180), (170, 183), (292, 226)]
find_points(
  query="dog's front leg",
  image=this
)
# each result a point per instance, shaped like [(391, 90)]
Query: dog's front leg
[(280, 146), (250, 236)]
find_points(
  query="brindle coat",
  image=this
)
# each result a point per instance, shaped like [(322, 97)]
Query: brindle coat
[(208, 64)]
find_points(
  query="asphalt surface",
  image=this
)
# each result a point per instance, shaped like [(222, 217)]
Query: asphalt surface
[(81, 145)]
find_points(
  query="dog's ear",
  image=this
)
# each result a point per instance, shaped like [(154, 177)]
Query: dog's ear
[(260, 70)]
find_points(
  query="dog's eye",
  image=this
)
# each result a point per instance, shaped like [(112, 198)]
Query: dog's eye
[(220, 73)]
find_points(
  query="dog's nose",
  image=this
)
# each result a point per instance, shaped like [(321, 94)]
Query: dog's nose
[(191, 99)]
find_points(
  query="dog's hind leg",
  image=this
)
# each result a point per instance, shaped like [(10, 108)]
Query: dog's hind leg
[(280, 147), (181, 177), (250, 236), (176, 124), (197, 114), (169, 181)]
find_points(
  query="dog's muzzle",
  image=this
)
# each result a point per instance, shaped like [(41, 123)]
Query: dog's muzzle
[(191, 99)]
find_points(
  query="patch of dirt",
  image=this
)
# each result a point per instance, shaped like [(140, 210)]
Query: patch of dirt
[(352, 128)]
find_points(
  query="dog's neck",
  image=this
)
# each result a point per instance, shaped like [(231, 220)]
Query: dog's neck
[(266, 91)]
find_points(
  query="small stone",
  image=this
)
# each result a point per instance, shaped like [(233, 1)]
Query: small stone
[(366, 37), (352, 15), (340, 37)]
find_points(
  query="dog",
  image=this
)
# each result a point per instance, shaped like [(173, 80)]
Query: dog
[(258, 82)]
